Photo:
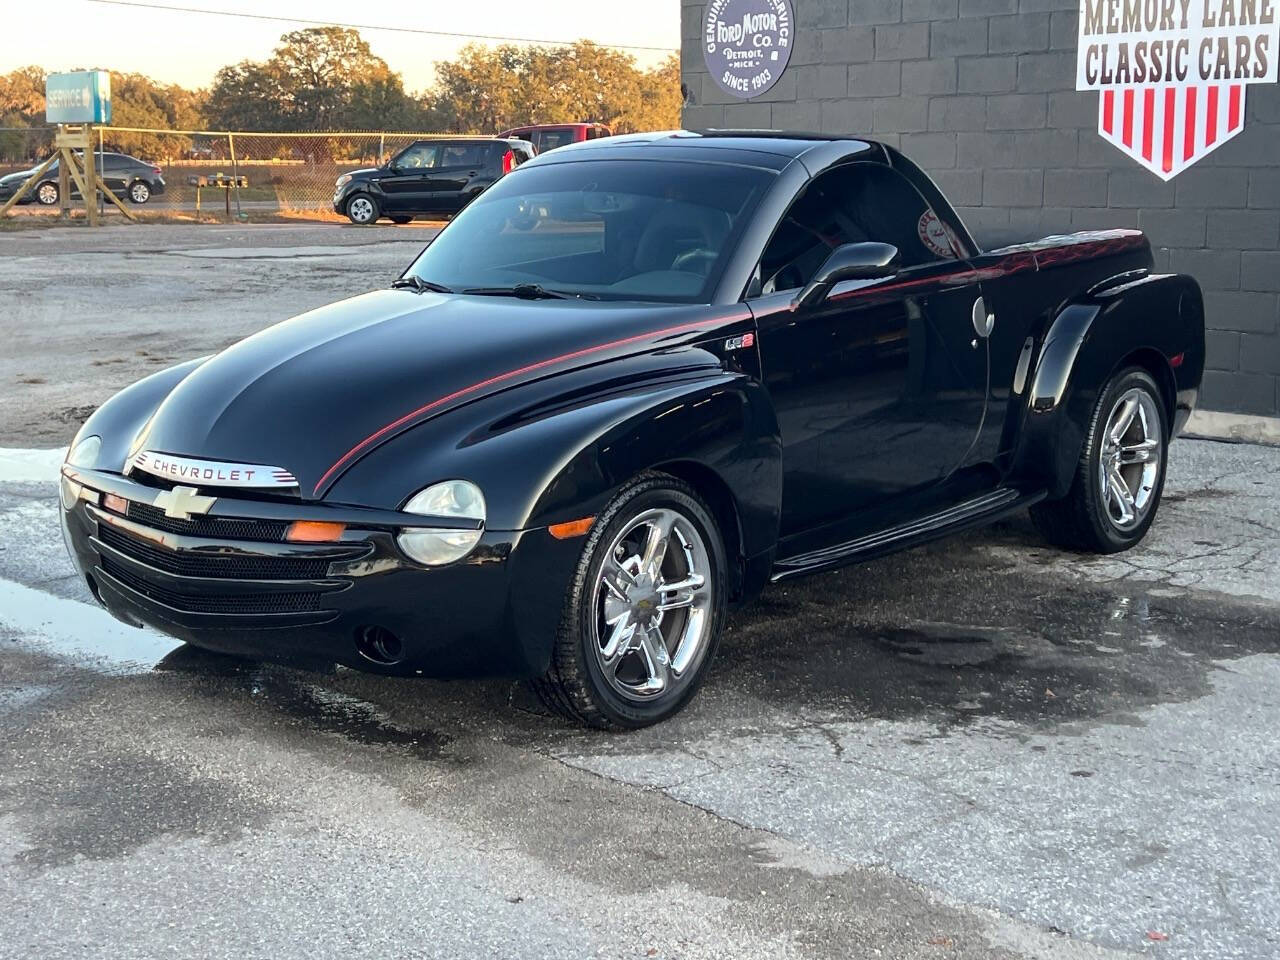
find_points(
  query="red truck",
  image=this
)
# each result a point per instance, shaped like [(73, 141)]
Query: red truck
[(548, 136)]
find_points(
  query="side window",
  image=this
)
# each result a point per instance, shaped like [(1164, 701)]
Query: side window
[(420, 156), (462, 155), (554, 138), (852, 204)]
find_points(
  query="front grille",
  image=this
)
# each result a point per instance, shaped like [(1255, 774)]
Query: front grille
[(221, 528), (203, 564), (260, 603)]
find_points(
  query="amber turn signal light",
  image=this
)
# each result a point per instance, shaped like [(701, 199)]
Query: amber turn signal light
[(314, 531), (574, 528), (114, 503)]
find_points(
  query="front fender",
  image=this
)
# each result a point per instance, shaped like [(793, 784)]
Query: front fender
[(722, 429), (119, 420), (563, 455), (564, 459), (1156, 322)]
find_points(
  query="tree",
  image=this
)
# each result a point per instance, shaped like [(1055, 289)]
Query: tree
[(321, 78), (245, 96), (658, 100), (328, 78), (487, 89), (138, 101), (22, 97), (22, 105)]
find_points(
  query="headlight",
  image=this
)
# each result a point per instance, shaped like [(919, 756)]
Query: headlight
[(345, 178), (84, 453), (434, 546)]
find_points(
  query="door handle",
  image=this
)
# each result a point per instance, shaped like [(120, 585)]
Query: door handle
[(983, 322)]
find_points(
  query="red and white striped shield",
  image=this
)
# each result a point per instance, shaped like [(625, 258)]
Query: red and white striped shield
[(1167, 128)]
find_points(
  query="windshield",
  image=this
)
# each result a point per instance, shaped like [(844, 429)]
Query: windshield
[(602, 229)]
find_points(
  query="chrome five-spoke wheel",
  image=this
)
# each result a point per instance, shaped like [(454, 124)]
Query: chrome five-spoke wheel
[(1129, 465), (644, 611), (652, 599), (1119, 474)]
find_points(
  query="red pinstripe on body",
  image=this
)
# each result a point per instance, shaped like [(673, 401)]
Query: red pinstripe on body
[(351, 455)]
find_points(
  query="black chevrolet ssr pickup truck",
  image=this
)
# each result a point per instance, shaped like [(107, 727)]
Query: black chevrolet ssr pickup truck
[(635, 381)]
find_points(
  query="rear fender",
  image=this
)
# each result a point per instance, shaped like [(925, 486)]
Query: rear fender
[(1156, 322)]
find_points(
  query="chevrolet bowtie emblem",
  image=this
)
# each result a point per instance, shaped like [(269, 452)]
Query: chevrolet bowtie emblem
[(181, 502)]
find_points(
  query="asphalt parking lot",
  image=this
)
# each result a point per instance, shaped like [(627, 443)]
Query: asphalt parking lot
[(981, 748)]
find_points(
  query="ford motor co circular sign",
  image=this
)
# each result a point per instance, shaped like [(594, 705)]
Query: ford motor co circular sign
[(747, 44)]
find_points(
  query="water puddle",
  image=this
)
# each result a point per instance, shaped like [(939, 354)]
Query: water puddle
[(870, 643), (303, 696)]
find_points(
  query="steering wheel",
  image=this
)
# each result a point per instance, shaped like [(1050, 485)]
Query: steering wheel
[(699, 260)]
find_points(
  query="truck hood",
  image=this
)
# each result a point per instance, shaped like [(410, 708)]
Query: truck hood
[(316, 393)]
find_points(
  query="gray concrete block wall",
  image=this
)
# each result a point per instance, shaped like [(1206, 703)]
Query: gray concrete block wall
[(981, 94)]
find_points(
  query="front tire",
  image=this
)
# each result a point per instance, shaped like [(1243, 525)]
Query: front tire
[(644, 612), (362, 209), (1120, 474), (139, 191)]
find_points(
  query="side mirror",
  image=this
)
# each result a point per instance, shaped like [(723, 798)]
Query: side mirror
[(851, 261)]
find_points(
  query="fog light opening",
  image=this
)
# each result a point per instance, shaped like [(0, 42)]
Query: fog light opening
[(379, 645)]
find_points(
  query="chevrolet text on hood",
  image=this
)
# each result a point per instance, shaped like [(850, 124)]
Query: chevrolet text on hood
[(632, 383)]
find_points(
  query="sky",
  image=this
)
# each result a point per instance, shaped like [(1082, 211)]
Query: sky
[(188, 48)]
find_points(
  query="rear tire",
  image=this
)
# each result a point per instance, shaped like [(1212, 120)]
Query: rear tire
[(46, 193), (1119, 477), (139, 191), (644, 612), (362, 209)]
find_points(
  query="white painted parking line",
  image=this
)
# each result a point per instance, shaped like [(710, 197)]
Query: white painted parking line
[(30, 466), (78, 631)]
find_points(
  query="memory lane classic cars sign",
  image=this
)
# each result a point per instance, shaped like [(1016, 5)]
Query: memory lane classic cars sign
[(747, 44), (1172, 73)]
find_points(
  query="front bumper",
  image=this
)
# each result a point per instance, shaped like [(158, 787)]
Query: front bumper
[(233, 585), (341, 195)]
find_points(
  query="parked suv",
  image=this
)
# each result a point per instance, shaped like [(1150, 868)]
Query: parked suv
[(127, 177), (548, 136), (433, 177)]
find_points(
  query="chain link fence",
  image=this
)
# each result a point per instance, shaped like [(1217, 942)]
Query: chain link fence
[(286, 175)]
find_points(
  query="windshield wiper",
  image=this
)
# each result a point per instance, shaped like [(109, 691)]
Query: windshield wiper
[(525, 291), (418, 285)]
